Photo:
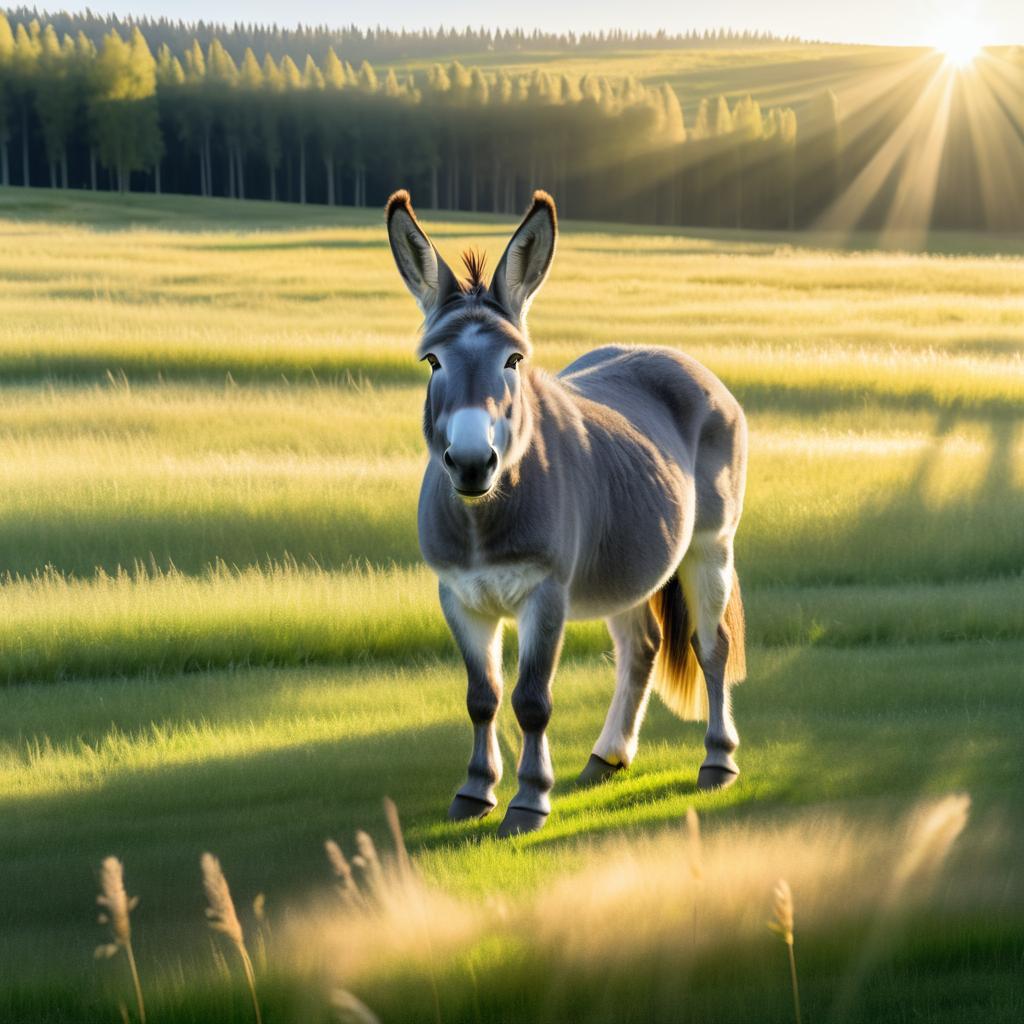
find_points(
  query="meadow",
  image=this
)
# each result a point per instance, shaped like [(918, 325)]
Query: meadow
[(216, 633)]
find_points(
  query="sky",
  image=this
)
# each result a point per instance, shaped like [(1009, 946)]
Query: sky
[(862, 21)]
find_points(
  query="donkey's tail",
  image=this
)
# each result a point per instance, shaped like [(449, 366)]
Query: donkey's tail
[(678, 678)]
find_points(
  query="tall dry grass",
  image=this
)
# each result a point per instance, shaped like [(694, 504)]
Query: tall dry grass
[(223, 919), (638, 890), (118, 906), (632, 893), (782, 924)]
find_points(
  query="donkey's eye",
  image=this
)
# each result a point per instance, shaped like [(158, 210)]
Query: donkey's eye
[(513, 361), (433, 361)]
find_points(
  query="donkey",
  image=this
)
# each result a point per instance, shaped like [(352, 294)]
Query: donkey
[(612, 490)]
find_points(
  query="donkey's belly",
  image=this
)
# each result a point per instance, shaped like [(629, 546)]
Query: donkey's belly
[(634, 548), (626, 571)]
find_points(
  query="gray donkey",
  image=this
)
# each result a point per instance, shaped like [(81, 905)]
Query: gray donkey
[(612, 490)]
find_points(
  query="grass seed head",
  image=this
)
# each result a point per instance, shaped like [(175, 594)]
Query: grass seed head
[(782, 911), (118, 906), (221, 909)]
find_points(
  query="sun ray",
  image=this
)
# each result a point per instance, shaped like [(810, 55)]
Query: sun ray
[(996, 139), (847, 211), (909, 216)]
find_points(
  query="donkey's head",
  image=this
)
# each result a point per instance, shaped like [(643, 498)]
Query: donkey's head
[(477, 417)]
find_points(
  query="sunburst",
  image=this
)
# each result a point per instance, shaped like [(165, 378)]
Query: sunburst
[(960, 38)]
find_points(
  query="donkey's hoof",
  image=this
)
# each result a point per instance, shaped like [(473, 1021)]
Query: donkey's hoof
[(464, 808), (713, 776), (519, 820), (597, 770)]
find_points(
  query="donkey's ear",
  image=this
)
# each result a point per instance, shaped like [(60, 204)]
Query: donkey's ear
[(425, 274), (527, 259)]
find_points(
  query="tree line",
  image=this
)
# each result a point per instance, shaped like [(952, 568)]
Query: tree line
[(118, 117), (380, 44), (121, 116)]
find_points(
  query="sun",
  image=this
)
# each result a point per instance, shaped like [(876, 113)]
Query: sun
[(960, 39)]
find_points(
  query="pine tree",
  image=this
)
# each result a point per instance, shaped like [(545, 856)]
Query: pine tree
[(56, 101), (6, 96), (748, 129), (293, 102), (220, 87), (25, 69), (250, 84), (197, 115), (270, 111)]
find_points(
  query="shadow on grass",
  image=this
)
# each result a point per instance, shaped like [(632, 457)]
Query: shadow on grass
[(871, 732), (110, 212), (970, 535)]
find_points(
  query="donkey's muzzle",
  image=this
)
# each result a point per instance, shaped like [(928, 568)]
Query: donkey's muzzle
[(472, 473)]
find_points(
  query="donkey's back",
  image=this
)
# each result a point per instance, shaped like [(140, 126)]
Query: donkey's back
[(689, 415)]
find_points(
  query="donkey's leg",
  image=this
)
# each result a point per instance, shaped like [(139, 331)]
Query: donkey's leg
[(541, 627), (637, 638), (707, 574), (479, 640)]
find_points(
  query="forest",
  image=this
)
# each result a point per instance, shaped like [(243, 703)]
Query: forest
[(383, 44), (122, 116)]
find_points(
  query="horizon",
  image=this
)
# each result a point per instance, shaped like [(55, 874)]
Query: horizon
[(873, 23)]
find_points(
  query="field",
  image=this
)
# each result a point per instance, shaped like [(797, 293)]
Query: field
[(216, 633)]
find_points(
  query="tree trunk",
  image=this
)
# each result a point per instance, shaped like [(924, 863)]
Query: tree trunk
[(24, 144), (302, 171), (64, 167), (791, 189), (5, 163), (53, 173), (435, 199), (273, 184), (156, 178), (92, 168), (241, 172), (473, 205), (207, 156), (329, 165), (231, 171), (510, 192), (496, 186)]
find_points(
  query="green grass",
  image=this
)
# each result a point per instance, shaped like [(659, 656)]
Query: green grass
[(216, 632)]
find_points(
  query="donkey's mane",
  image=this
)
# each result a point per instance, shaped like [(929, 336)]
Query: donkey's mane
[(474, 260)]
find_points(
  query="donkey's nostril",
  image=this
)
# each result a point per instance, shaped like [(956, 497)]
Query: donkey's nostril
[(492, 461), (448, 461)]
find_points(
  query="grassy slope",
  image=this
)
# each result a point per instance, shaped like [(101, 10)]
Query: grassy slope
[(881, 551)]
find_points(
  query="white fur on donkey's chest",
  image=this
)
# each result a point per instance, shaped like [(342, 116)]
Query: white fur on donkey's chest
[(500, 589)]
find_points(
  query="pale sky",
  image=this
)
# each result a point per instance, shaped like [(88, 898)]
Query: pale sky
[(996, 22)]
